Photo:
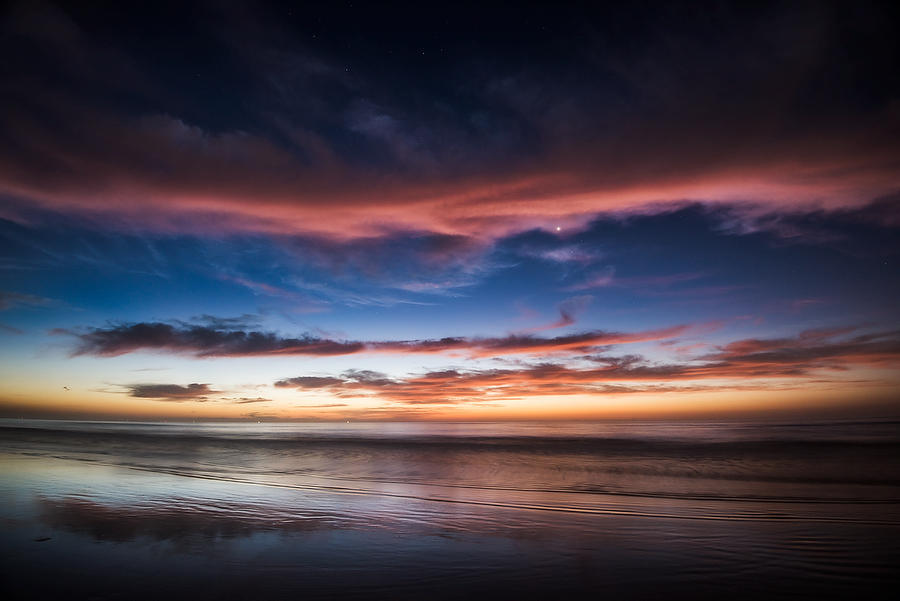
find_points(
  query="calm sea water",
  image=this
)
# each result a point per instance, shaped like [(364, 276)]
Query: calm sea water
[(410, 510)]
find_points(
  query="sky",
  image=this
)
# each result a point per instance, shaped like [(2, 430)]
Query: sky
[(470, 211)]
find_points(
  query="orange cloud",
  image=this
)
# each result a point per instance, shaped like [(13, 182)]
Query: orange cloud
[(793, 359)]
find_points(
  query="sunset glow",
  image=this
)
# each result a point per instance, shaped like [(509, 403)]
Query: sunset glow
[(438, 301), (214, 239)]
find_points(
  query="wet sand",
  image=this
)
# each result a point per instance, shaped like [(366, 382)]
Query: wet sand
[(136, 512)]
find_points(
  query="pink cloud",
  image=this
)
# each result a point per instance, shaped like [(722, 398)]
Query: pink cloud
[(162, 173)]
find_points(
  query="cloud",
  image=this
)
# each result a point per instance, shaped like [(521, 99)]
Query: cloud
[(814, 226), (485, 386), (203, 341), (246, 320), (599, 279), (822, 348), (11, 300), (248, 400), (480, 151), (413, 261), (309, 382), (569, 309), (790, 360), (659, 281), (367, 378), (809, 350), (171, 392), (528, 344), (572, 253), (299, 302)]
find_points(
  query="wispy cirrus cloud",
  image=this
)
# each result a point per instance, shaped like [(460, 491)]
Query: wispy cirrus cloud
[(10, 300), (578, 254), (597, 279), (299, 302)]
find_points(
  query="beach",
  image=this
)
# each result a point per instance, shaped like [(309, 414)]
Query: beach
[(248, 511)]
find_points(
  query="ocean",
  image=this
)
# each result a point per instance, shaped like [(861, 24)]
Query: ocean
[(626, 510)]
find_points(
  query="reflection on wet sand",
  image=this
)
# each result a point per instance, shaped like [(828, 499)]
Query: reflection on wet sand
[(179, 520), (294, 514)]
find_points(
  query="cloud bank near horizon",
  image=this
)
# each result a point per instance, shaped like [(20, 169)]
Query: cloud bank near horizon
[(749, 364), (582, 364)]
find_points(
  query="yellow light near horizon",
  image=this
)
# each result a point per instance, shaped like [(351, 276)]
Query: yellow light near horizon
[(287, 403)]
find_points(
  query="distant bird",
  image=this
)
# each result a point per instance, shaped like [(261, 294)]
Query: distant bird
[(65, 388)]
